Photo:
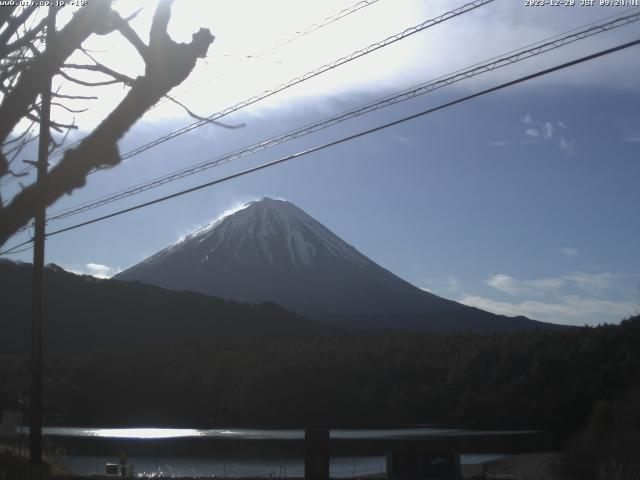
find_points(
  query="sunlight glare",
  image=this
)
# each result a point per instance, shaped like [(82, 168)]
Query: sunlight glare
[(145, 433)]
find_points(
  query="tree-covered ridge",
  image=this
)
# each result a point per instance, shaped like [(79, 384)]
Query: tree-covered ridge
[(541, 379), (83, 314)]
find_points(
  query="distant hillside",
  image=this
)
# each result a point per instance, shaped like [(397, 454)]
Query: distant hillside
[(83, 313), (541, 379), (272, 250)]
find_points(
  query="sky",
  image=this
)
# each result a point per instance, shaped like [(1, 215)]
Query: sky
[(521, 202)]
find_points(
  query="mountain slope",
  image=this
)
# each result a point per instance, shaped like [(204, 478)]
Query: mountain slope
[(272, 250), (83, 313)]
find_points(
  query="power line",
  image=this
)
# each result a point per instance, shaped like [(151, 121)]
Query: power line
[(15, 248), (302, 33), (479, 68), (287, 158), (310, 74), (13, 251), (311, 28), (321, 24), (306, 31)]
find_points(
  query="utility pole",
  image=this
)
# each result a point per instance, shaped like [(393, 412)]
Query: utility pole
[(35, 428)]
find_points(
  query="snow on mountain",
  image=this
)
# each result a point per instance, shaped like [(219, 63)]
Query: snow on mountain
[(270, 250), (261, 228)]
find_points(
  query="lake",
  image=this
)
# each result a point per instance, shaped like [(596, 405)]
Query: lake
[(242, 462), (151, 433)]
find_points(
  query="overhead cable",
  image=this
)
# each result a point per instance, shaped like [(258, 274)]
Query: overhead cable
[(310, 74), (324, 146), (484, 67), (306, 31)]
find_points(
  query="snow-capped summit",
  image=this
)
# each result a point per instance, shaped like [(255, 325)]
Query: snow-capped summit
[(266, 231), (273, 231), (270, 250)]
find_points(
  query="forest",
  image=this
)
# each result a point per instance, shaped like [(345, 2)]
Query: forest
[(236, 365), (548, 380)]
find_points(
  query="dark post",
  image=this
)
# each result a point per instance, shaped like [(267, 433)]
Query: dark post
[(316, 454), (35, 434)]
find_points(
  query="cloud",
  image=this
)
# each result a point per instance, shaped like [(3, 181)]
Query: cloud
[(546, 130), (594, 282), (95, 270), (402, 139), (512, 286), (452, 285), (569, 252), (504, 283), (499, 143), (532, 132), (72, 270), (239, 77), (546, 284), (583, 281), (575, 298), (633, 138), (541, 129), (567, 146), (569, 310), (101, 271), (537, 128), (445, 287)]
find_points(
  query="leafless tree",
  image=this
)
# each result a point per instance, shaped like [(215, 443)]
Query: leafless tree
[(27, 61)]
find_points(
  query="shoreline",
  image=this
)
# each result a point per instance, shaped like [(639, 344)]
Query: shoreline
[(532, 466)]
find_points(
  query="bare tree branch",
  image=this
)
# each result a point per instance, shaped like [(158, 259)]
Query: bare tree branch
[(57, 126), (102, 69), (127, 32), (168, 63), (13, 70), (85, 83), (13, 24), (18, 138), (23, 41), (73, 97), (17, 174), (68, 109), (6, 12), (55, 145), (62, 126), (92, 18), (203, 119), (17, 150), (33, 117)]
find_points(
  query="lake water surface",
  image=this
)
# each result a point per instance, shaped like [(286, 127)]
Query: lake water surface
[(151, 433), (240, 466)]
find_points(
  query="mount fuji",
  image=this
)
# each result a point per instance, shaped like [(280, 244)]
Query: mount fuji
[(270, 250)]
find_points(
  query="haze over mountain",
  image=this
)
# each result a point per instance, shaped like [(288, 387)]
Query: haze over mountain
[(270, 250)]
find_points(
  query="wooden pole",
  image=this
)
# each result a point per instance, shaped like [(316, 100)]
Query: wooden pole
[(35, 430)]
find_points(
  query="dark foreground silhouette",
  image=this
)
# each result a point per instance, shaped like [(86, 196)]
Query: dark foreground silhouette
[(261, 366)]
